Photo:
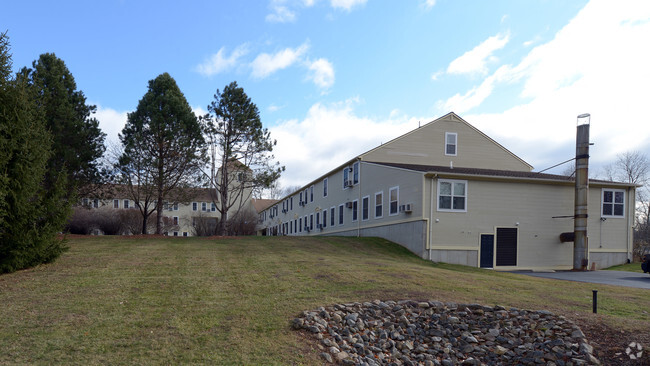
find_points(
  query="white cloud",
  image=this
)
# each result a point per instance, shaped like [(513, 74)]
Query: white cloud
[(321, 72), (429, 4), (266, 64), (436, 75), (219, 62), (475, 60), (596, 64), (314, 145), (346, 5), (111, 123), (280, 12)]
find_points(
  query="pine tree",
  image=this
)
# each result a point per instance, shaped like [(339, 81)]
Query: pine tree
[(31, 215), (77, 141), (163, 149)]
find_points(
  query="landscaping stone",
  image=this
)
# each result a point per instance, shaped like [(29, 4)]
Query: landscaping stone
[(434, 333)]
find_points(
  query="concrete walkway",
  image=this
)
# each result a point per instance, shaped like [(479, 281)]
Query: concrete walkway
[(616, 278)]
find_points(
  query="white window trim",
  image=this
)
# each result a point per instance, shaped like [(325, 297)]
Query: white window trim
[(341, 218), (452, 181), (447, 134), (356, 171), (389, 201), (355, 210), (367, 207), (325, 187), (175, 220), (382, 205), (126, 204), (602, 202), (333, 219)]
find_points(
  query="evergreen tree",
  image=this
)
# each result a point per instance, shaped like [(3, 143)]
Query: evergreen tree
[(77, 141), (163, 149), (241, 159), (31, 215)]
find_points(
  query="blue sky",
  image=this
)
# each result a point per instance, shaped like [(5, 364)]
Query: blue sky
[(335, 78)]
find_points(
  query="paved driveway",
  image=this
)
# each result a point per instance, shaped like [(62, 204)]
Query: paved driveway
[(617, 278)]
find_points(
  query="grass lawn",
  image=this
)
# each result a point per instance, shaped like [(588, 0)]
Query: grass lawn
[(631, 267), (121, 300)]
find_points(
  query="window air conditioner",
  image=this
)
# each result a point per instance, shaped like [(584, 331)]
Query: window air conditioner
[(348, 183), (407, 208), (348, 204)]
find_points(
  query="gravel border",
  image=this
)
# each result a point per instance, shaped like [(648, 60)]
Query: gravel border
[(434, 333)]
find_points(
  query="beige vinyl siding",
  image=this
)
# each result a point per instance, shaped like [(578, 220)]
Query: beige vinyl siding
[(530, 208), (426, 146)]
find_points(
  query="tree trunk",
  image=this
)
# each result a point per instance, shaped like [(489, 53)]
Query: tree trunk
[(144, 224)]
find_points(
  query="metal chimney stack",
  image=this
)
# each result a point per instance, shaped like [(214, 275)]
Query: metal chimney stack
[(580, 244)]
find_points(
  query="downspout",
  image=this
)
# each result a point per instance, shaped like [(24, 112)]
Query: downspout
[(631, 208), (359, 203), (431, 221)]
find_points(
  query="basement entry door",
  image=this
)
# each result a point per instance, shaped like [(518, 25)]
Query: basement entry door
[(506, 247), (487, 250)]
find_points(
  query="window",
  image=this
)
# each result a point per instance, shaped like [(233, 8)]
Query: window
[(355, 173), (613, 203), (379, 204), (306, 195), (340, 214), (346, 177), (96, 203), (175, 233), (291, 202), (325, 218), (311, 222), (317, 218), (452, 195), (325, 187), (84, 202), (300, 197), (355, 208), (213, 207), (332, 216), (311, 194), (116, 203), (393, 204), (175, 206), (451, 139), (184, 233), (125, 204), (175, 220), (365, 202), (300, 225), (195, 206)]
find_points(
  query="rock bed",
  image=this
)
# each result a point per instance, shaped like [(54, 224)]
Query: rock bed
[(435, 333)]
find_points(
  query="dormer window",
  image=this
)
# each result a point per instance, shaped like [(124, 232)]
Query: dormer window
[(451, 142)]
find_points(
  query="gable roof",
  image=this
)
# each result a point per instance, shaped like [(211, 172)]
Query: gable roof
[(447, 117)]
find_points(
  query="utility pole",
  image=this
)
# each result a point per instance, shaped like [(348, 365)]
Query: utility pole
[(581, 244)]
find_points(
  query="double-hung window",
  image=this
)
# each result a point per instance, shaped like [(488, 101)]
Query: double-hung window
[(325, 218), (125, 204), (116, 203), (195, 206), (379, 204), (325, 187), (452, 195), (355, 212), (340, 214), (613, 203), (355, 173), (332, 216), (393, 196), (451, 143), (311, 194), (365, 203)]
